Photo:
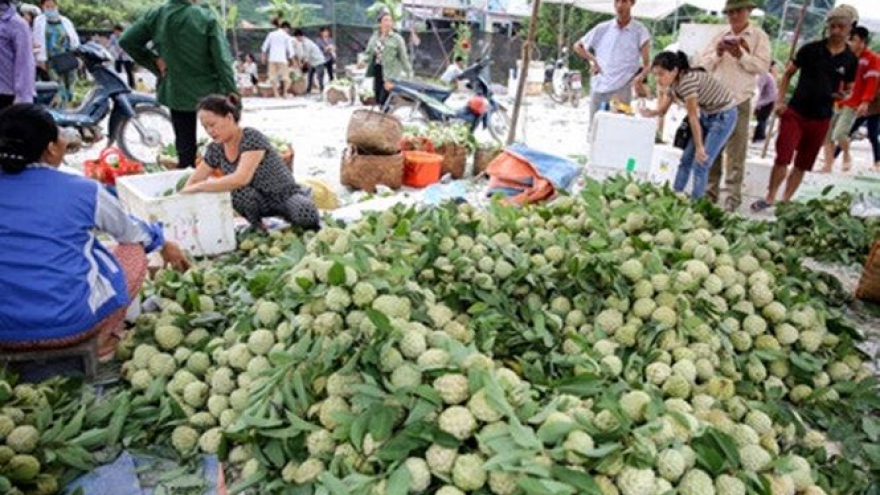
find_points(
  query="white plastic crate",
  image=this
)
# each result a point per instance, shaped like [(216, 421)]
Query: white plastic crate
[(615, 139), (664, 164), (757, 177), (202, 223)]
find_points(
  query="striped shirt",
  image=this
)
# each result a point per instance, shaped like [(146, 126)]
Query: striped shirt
[(712, 96)]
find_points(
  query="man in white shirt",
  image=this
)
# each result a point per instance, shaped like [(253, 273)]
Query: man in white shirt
[(277, 52), (736, 56), (453, 71), (619, 54)]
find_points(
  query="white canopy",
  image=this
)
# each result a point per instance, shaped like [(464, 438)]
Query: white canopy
[(644, 9), (869, 12)]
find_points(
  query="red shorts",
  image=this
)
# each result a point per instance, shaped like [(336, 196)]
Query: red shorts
[(802, 135)]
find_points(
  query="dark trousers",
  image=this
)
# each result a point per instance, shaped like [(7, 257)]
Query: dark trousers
[(184, 124), (379, 85), (873, 122), (762, 114), (330, 66), (126, 66), (6, 101), (316, 71)]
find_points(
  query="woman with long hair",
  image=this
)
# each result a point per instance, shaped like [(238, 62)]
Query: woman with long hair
[(711, 113)]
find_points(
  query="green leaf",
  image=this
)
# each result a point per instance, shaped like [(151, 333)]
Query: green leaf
[(336, 276), (398, 483), (550, 433), (582, 481), (535, 486), (871, 427)]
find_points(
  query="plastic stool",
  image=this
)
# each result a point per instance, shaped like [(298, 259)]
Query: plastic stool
[(86, 350)]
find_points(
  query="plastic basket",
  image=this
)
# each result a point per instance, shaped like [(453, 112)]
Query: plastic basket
[(421, 168)]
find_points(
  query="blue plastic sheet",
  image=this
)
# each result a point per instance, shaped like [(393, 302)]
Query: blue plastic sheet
[(121, 476)]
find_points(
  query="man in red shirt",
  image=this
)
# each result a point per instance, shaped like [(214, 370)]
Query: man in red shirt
[(856, 105)]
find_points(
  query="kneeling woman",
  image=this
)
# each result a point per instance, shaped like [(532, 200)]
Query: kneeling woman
[(711, 113), (260, 181), (58, 284)]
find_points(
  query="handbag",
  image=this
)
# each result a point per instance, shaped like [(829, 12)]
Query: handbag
[(682, 134), (63, 62), (371, 67)]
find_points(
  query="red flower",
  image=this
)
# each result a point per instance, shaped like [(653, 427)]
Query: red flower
[(466, 44)]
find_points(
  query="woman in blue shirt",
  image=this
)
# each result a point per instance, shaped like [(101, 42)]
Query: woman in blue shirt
[(59, 284)]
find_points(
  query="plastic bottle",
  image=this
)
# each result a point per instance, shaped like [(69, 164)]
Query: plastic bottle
[(630, 165)]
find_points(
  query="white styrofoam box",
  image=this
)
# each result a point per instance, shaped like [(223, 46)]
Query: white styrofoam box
[(617, 138), (664, 164), (201, 223), (757, 176)]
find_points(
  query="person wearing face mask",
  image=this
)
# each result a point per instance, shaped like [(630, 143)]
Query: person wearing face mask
[(16, 58), (260, 181), (387, 57), (61, 285), (54, 38)]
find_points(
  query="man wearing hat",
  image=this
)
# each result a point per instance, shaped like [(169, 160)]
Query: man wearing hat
[(828, 70), (736, 56)]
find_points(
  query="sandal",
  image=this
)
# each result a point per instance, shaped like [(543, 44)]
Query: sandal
[(760, 205)]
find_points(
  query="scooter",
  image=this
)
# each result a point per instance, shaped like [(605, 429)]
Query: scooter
[(415, 101), (563, 84), (138, 123)]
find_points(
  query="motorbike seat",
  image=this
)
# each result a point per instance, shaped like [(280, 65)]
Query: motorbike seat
[(438, 91), (44, 86)]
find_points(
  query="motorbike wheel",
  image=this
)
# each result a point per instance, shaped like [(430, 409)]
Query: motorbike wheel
[(145, 136), (499, 124), (575, 98), (556, 94)]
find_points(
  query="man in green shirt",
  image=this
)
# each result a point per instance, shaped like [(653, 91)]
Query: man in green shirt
[(185, 47)]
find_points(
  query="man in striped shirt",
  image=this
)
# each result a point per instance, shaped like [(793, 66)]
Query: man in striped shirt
[(864, 90)]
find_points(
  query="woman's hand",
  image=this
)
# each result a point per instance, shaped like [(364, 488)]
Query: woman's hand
[(173, 255), (701, 156), (193, 188), (649, 113)]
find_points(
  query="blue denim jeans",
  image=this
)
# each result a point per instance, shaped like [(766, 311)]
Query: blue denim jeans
[(717, 128)]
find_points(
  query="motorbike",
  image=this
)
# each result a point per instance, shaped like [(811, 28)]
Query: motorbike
[(414, 101), (563, 85), (137, 123)]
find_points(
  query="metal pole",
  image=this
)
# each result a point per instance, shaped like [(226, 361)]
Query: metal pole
[(791, 52), (561, 40), (524, 71)]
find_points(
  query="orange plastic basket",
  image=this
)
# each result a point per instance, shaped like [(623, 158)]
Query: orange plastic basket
[(421, 168)]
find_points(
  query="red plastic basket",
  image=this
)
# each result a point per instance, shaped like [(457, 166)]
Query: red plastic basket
[(421, 168)]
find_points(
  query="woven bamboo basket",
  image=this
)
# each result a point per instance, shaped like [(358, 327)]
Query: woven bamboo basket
[(365, 172), (374, 133), (869, 285), (454, 159), (483, 156), (335, 95)]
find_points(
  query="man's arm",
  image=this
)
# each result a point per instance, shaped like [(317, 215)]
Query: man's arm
[(582, 48), (755, 59), (24, 59), (790, 70), (134, 41), (40, 38)]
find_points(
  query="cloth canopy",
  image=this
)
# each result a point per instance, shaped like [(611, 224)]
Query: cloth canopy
[(869, 12), (643, 9)]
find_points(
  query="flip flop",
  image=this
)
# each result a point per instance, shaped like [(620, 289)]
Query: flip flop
[(760, 205)]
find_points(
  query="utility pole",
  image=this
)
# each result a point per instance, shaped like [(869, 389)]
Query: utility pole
[(524, 71)]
